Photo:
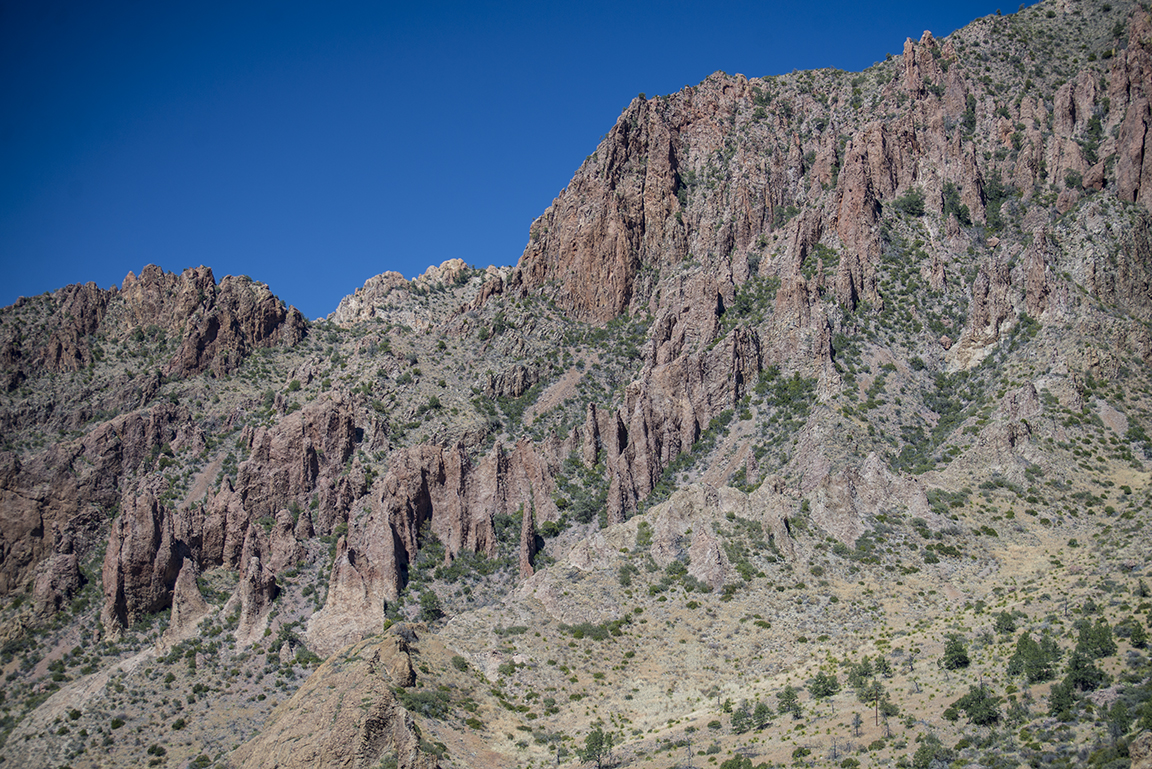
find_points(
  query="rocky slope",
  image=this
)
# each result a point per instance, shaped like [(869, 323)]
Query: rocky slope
[(826, 323)]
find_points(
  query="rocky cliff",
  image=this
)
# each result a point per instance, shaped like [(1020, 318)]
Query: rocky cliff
[(771, 322)]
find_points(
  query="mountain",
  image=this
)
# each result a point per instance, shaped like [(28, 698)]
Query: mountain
[(811, 428)]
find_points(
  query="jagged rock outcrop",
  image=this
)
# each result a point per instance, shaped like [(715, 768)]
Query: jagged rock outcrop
[(425, 486), (256, 589), (69, 490), (1130, 96), (217, 325), (57, 580), (285, 550), (844, 501), (390, 297), (665, 411), (510, 383), (188, 606), (141, 564), (82, 308), (303, 454), (1140, 750), (359, 588), (351, 695), (284, 465)]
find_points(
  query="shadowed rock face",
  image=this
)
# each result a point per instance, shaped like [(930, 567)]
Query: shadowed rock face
[(64, 494), (142, 562)]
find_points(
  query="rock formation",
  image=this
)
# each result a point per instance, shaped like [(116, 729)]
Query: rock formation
[(351, 694), (188, 605)]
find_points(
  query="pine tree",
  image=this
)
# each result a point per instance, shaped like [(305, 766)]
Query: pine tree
[(1061, 702), (979, 706), (597, 747), (1139, 637), (1030, 660), (1095, 640), (1119, 719), (789, 702), (741, 719), (762, 715), (1083, 675), (955, 653), (823, 685)]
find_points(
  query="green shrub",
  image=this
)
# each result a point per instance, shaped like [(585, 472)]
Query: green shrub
[(911, 202)]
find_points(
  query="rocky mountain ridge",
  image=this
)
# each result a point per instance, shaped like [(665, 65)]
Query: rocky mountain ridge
[(840, 298)]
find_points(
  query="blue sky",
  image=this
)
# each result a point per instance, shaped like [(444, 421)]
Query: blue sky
[(313, 145)]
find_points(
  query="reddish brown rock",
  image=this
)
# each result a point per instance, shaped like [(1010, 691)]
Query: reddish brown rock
[(1130, 96), (218, 325), (256, 589), (188, 605), (527, 550), (141, 563), (73, 486), (510, 383), (354, 736), (57, 580), (303, 454)]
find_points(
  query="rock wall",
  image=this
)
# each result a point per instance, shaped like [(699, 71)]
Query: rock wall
[(68, 491)]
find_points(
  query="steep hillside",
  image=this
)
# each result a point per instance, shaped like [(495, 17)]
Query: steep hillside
[(812, 427)]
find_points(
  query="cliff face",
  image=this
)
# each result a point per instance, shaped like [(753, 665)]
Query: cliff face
[(58, 500), (823, 299), (691, 204), (707, 171)]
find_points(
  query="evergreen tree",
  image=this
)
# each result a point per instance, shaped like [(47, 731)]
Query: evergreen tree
[(1030, 660), (1083, 675), (859, 673), (1139, 637), (931, 753), (762, 715), (741, 719), (1061, 701), (430, 610), (1005, 623), (823, 685), (597, 747), (1095, 640), (1119, 719), (789, 702), (955, 652), (979, 706)]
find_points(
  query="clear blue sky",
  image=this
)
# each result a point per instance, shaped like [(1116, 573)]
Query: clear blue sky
[(313, 145)]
